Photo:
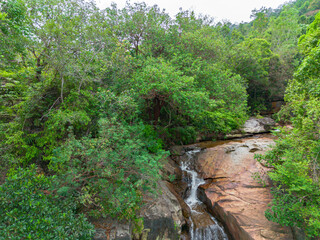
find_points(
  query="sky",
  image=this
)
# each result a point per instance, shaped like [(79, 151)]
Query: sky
[(235, 11)]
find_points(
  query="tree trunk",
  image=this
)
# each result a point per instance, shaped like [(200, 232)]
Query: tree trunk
[(156, 111), (39, 69), (157, 106)]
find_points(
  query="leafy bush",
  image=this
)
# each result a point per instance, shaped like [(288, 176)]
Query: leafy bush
[(183, 135), (295, 158), (30, 210), (109, 174), (296, 192)]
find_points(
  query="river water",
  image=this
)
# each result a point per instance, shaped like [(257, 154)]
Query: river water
[(203, 225)]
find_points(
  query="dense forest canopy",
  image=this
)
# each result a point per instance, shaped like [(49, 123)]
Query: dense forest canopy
[(91, 99)]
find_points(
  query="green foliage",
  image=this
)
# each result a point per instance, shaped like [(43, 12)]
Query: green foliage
[(94, 96), (171, 98), (310, 40), (144, 27), (13, 30), (261, 19), (111, 173), (297, 193), (160, 84), (183, 135), (154, 142), (251, 60), (229, 92), (30, 210), (295, 158)]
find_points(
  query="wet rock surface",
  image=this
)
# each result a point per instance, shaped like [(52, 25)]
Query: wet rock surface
[(200, 224), (203, 219), (233, 195)]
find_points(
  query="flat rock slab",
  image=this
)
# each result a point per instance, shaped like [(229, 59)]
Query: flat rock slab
[(238, 199)]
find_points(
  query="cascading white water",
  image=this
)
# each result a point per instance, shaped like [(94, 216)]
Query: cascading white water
[(212, 232), (209, 232), (192, 200)]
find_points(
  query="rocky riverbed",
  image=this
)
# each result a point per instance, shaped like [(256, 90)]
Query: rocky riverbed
[(233, 194), (228, 191)]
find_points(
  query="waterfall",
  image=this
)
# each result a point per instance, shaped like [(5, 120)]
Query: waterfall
[(203, 225), (192, 200)]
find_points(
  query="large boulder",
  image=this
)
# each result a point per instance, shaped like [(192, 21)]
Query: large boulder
[(233, 195), (258, 125), (107, 228), (163, 216), (252, 126), (163, 219)]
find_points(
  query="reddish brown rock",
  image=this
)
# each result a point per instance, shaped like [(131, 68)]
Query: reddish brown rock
[(238, 199)]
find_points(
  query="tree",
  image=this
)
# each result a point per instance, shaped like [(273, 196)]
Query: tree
[(159, 84), (251, 60), (260, 19), (61, 66), (13, 33), (110, 175), (138, 23), (295, 158)]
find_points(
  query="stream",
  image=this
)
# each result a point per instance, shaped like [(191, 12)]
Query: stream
[(203, 226)]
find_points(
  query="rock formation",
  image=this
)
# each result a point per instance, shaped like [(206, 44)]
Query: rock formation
[(236, 198), (163, 216), (253, 126), (258, 125)]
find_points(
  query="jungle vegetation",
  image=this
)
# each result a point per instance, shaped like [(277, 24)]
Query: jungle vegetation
[(90, 100)]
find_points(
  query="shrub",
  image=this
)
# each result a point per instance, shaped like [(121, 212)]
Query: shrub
[(109, 174), (30, 210)]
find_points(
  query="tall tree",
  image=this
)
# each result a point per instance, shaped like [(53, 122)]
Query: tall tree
[(295, 159)]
